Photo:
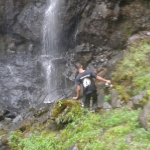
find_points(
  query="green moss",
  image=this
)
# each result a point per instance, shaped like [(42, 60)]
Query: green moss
[(145, 3), (132, 73), (107, 98), (118, 131), (127, 29), (145, 98), (14, 139), (2, 133), (66, 111)]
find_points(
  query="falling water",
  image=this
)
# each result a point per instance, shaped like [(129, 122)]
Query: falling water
[(50, 48), (50, 28)]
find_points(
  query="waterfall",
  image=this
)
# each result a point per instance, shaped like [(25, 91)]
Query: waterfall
[(50, 49), (50, 28)]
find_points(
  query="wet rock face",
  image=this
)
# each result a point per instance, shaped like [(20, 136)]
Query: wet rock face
[(100, 27), (101, 23), (23, 17), (95, 23), (90, 29), (29, 21), (20, 82), (106, 23)]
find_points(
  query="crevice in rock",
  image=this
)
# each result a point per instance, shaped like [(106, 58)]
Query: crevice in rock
[(125, 2)]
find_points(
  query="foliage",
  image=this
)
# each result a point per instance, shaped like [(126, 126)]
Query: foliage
[(2, 133), (15, 138), (66, 111), (90, 131), (107, 98), (146, 3), (132, 73)]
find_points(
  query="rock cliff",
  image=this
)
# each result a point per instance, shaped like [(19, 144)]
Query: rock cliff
[(86, 28)]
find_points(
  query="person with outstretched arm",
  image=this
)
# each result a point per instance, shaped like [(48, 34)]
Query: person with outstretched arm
[(85, 78)]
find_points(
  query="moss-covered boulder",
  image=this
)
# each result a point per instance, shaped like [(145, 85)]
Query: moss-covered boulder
[(66, 111), (132, 73)]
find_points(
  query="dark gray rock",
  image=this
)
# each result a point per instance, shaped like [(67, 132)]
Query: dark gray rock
[(139, 36), (8, 119), (105, 23), (143, 117), (114, 99), (1, 111), (70, 72), (1, 126), (17, 119), (130, 104), (52, 126), (41, 111), (73, 147), (20, 85), (1, 114), (82, 48), (23, 16), (100, 98), (29, 22), (137, 99), (106, 105)]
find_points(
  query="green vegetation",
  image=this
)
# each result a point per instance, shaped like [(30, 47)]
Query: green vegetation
[(128, 29), (90, 132), (2, 133), (66, 111), (132, 73), (107, 98), (146, 3)]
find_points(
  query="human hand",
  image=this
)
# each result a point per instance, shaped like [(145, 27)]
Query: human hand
[(108, 84), (108, 81), (75, 98)]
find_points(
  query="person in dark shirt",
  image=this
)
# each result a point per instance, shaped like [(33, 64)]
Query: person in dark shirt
[(85, 78)]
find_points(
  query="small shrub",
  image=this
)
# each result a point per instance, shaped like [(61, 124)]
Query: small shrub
[(66, 111), (107, 98)]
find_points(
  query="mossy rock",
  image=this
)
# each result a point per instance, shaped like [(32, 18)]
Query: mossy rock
[(2, 133), (66, 111), (132, 73)]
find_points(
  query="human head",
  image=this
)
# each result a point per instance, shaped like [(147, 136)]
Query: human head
[(78, 66)]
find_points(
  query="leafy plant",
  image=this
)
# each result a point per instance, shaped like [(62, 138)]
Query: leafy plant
[(107, 98), (66, 111)]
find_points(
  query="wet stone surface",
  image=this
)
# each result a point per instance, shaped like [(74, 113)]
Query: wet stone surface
[(19, 82)]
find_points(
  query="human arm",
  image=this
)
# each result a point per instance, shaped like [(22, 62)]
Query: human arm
[(77, 91), (94, 75), (102, 79)]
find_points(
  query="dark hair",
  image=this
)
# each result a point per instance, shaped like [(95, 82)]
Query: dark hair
[(78, 65)]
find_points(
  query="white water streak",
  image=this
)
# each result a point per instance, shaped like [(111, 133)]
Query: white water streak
[(50, 28), (50, 46)]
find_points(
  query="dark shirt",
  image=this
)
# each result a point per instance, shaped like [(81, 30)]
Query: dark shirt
[(86, 79)]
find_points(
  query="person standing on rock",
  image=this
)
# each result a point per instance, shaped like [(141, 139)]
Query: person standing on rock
[(85, 78)]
